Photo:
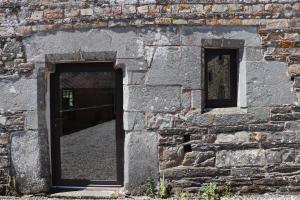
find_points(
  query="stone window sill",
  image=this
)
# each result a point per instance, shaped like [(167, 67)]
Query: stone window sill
[(225, 111)]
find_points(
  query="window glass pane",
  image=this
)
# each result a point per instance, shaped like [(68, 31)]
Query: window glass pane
[(218, 77), (87, 142)]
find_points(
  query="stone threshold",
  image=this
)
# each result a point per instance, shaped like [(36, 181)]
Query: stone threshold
[(88, 193)]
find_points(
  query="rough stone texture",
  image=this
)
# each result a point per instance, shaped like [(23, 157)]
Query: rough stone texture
[(134, 121), (159, 121), (152, 98), (140, 160), (196, 99), (176, 66), (95, 40), (194, 35), (26, 161), (132, 64), (18, 94), (240, 158), (134, 77), (31, 120), (161, 36), (158, 44), (267, 84), (251, 151), (253, 54), (242, 89), (10, 122)]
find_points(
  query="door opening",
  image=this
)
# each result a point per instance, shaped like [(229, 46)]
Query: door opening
[(87, 135)]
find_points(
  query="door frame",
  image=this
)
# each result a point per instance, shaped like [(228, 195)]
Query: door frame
[(56, 124)]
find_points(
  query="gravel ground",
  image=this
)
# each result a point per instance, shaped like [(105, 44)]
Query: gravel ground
[(90, 153), (250, 197)]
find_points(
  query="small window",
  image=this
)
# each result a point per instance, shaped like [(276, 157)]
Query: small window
[(67, 98), (220, 78)]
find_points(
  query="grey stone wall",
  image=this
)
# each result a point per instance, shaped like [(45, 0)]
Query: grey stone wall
[(159, 45), (237, 149), (163, 88)]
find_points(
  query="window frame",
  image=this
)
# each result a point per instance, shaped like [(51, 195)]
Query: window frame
[(223, 103)]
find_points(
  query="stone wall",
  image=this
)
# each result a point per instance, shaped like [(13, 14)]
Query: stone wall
[(9, 122), (159, 45), (252, 156)]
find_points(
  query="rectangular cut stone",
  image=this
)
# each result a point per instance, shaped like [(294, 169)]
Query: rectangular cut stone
[(116, 10), (53, 14), (183, 171), (168, 35), (259, 114), (176, 65), (152, 98), (26, 160), (242, 86), (186, 99), (231, 119), (31, 120), (268, 85), (198, 119), (163, 21), (128, 9), (219, 8), (134, 121), (273, 156), (133, 77), (37, 15), (238, 137), (72, 12), (255, 157), (196, 101), (253, 54), (292, 126), (180, 21), (18, 94), (132, 64), (284, 137), (102, 11), (192, 35), (245, 171), (140, 159), (3, 120), (122, 40), (159, 121), (296, 82), (142, 9)]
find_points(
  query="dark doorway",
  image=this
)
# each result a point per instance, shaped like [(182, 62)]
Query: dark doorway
[(86, 120)]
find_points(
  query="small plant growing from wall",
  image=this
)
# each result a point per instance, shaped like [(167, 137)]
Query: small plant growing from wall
[(11, 188), (209, 191), (150, 190), (182, 196), (163, 190), (226, 191)]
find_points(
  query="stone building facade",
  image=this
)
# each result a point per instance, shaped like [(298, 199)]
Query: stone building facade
[(168, 130)]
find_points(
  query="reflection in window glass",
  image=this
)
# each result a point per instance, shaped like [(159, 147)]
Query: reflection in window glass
[(218, 67), (67, 98), (88, 138), (221, 68)]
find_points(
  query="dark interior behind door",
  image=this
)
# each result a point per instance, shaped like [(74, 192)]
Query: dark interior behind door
[(86, 119)]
